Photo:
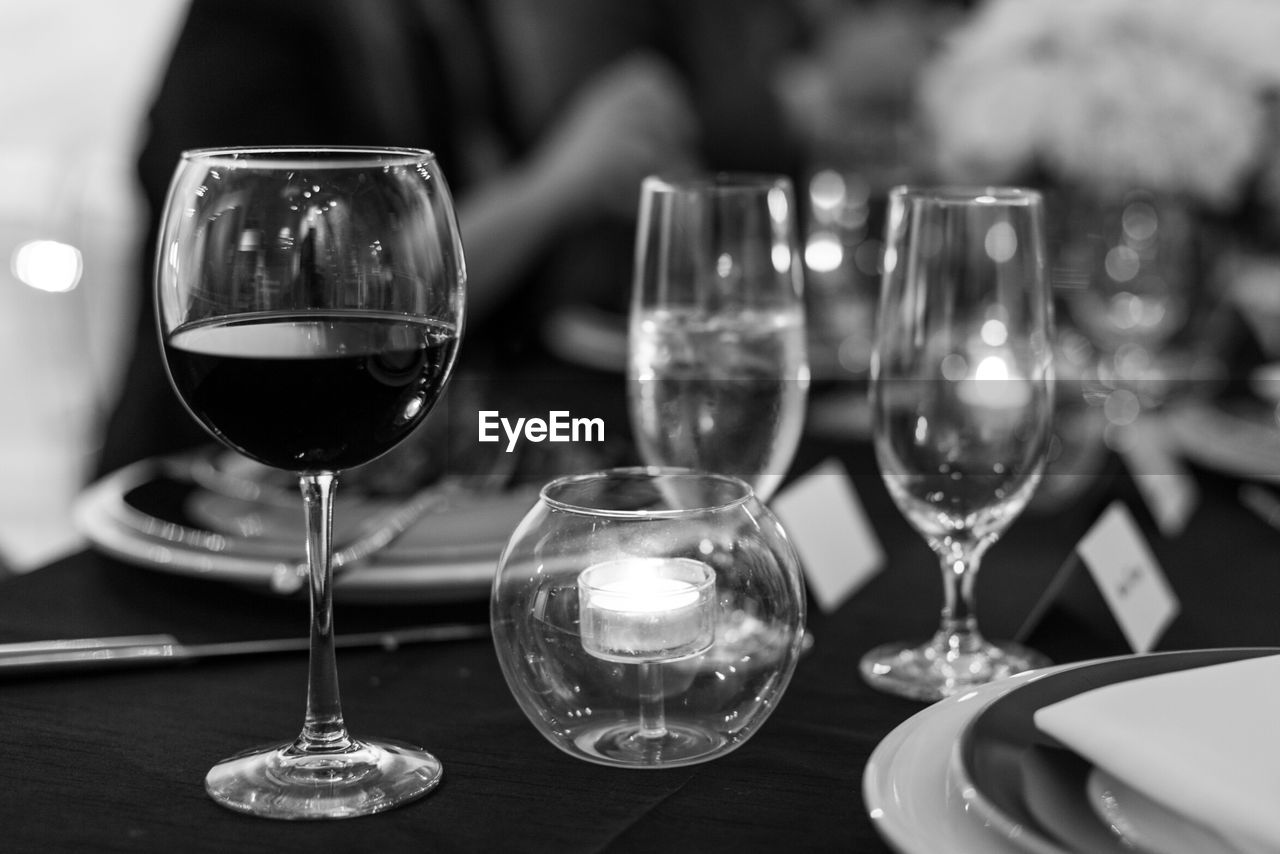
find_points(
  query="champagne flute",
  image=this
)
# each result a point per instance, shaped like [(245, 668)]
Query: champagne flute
[(310, 305), (962, 402), (718, 373)]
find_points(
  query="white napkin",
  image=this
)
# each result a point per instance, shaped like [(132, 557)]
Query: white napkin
[(1203, 742)]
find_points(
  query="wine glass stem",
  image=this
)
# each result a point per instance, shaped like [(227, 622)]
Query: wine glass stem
[(958, 631), (653, 714), (323, 731)]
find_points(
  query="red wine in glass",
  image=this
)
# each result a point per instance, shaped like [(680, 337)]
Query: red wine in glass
[(311, 391)]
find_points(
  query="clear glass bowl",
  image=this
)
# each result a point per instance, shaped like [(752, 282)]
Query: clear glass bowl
[(648, 617)]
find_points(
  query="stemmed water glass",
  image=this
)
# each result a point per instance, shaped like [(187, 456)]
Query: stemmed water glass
[(717, 371), (310, 304), (962, 400)]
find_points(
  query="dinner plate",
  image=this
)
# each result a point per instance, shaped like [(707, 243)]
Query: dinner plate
[(1030, 789), (183, 516), (922, 798), (1147, 825), (1239, 438), (907, 789)]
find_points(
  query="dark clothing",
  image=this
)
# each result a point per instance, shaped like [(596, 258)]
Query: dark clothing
[(476, 82), (246, 72)]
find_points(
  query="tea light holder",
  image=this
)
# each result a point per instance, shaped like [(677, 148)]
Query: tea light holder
[(647, 611), (648, 618)]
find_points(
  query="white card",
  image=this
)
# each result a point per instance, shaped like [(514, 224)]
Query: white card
[(1129, 578), (828, 526)]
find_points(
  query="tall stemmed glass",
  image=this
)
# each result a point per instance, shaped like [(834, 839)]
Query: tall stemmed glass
[(962, 400), (718, 373), (310, 304)]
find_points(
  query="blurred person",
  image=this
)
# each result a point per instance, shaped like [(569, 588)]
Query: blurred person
[(545, 115), (852, 98), (852, 95)]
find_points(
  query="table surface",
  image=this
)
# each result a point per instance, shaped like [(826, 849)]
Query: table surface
[(115, 761)]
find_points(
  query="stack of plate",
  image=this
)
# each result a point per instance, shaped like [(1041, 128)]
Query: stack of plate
[(973, 775), (210, 514)]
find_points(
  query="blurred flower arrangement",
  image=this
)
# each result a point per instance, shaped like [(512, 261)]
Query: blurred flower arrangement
[(1174, 96)]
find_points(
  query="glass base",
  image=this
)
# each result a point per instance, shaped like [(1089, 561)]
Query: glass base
[(282, 781), (626, 744), (931, 671)]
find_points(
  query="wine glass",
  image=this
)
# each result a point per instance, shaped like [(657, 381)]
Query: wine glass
[(310, 304), (962, 403), (718, 372)]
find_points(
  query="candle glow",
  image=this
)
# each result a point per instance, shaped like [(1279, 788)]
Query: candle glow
[(641, 594), (647, 609)]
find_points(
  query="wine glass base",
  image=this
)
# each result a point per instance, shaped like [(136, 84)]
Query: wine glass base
[(283, 782), (626, 744), (930, 672)]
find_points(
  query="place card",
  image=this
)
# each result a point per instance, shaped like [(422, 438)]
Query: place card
[(828, 526), (1124, 579), (1128, 576)]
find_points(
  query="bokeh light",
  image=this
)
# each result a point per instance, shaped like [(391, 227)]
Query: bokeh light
[(48, 265)]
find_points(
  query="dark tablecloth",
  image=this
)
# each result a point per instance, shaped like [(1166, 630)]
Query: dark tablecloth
[(115, 761)]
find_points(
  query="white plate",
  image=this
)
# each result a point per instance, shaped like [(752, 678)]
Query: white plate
[(907, 785), (1024, 783), (450, 555), (923, 799), (1146, 825)]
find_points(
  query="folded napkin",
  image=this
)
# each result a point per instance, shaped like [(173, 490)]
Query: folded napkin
[(1204, 743)]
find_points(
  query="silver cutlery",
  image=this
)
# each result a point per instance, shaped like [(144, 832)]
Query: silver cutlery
[(288, 577), (289, 574), (74, 654)]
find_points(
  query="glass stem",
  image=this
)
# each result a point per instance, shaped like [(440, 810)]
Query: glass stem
[(958, 631), (653, 713), (323, 731)]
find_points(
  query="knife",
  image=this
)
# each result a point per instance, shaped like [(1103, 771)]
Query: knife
[(140, 650)]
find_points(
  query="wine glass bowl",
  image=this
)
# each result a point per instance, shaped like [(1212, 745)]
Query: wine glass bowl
[(962, 403), (718, 370), (310, 306)]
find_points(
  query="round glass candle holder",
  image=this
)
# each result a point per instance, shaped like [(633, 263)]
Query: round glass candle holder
[(648, 618)]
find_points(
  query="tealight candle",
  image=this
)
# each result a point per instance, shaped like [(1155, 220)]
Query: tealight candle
[(637, 610)]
